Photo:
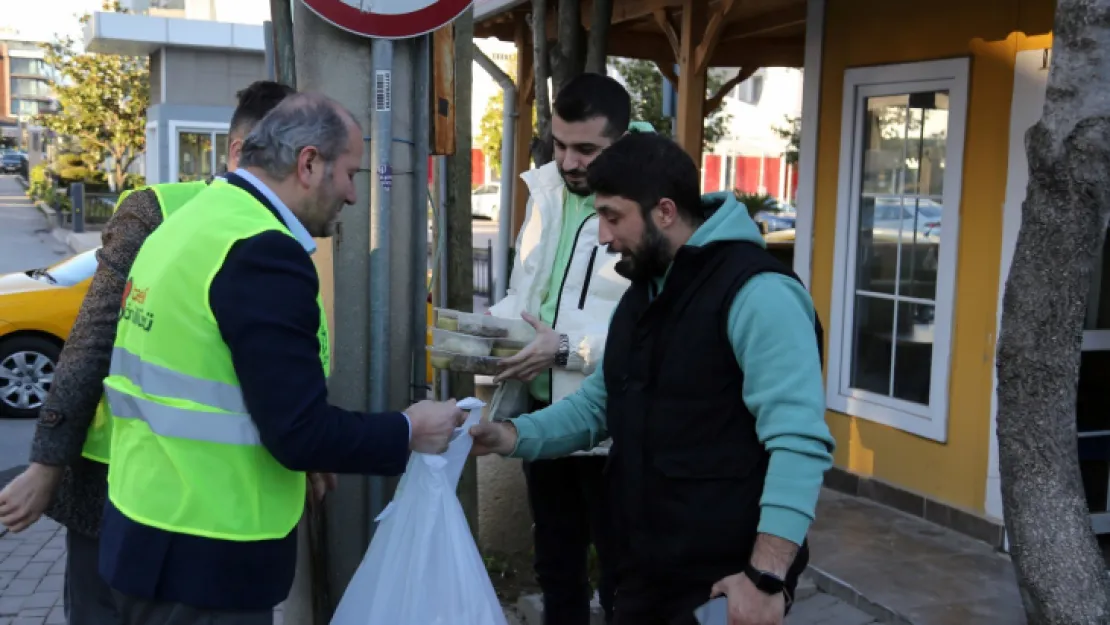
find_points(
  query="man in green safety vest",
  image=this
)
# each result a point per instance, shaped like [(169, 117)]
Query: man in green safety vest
[(67, 478), (217, 390)]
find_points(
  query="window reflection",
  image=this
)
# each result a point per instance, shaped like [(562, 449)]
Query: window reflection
[(897, 242)]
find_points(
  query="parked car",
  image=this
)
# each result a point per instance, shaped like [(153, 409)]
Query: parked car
[(485, 201), (774, 221), (12, 162), (37, 311)]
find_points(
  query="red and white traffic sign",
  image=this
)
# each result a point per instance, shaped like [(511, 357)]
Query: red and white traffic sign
[(389, 19)]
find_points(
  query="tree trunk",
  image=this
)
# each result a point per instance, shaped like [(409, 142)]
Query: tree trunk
[(570, 51), (597, 48), (1060, 570), (541, 146), (460, 240)]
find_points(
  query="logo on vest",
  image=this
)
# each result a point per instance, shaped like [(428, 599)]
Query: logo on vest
[(131, 308)]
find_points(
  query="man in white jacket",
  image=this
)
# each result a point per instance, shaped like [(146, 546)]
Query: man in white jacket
[(565, 285)]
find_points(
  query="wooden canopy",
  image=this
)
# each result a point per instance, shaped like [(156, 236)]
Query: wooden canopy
[(692, 34)]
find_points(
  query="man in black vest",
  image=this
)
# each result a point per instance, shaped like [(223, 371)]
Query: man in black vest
[(711, 390)]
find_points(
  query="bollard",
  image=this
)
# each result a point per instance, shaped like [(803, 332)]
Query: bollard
[(77, 204)]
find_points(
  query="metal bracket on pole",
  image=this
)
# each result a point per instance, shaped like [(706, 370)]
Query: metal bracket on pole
[(508, 180)]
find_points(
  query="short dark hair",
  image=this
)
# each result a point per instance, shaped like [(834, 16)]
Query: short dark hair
[(645, 168), (590, 95), (257, 99)]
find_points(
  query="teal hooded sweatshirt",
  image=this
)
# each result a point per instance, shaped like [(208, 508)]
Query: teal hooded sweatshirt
[(770, 326)]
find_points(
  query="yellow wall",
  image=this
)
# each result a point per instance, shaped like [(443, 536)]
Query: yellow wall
[(876, 32)]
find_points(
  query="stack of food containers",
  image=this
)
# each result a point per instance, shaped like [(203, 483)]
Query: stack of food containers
[(473, 343)]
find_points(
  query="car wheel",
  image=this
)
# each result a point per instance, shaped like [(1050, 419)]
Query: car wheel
[(27, 366)]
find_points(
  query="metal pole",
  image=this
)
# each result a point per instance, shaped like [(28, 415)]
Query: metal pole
[(508, 144), (441, 253), (281, 41), (77, 205), (268, 40), (421, 130), (381, 144)]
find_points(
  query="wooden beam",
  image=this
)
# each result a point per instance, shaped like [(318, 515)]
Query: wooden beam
[(522, 150), (664, 22), (443, 92), (691, 82), (766, 23), (714, 102), (712, 35), (632, 10)]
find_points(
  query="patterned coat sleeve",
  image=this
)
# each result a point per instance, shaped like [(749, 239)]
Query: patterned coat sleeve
[(83, 365)]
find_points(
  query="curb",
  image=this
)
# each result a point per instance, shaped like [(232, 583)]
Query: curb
[(847, 593), (23, 181)]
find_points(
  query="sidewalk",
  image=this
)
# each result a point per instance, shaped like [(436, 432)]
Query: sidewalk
[(32, 565), (903, 569)]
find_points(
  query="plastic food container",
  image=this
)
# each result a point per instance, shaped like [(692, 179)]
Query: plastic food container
[(459, 343), (503, 348), (471, 323), (479, 365)]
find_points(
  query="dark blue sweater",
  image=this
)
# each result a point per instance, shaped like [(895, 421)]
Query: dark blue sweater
[(264, 301)]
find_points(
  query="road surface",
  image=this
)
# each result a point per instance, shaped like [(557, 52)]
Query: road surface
[(25, 243)]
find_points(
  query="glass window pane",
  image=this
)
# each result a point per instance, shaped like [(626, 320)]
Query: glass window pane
[(897, 246), (884, 134), (221, 153), (194, 156), (913, 353), (874, 323)]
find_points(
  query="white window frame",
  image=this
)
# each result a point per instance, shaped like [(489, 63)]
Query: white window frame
[(176, 127), (929, 421)]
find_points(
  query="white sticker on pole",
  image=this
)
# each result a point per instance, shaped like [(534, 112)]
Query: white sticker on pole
[(383, 90), (389, 19)]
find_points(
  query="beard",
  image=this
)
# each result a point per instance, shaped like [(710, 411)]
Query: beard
[(649, 260), (577, 187)]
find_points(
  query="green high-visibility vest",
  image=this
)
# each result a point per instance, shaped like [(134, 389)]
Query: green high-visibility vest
[(186, 455), (171, 196)]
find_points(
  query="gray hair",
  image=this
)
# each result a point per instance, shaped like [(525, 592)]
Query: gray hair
[(301, 120)]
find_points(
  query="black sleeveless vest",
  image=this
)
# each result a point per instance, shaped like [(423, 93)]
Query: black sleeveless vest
[(686, 469)]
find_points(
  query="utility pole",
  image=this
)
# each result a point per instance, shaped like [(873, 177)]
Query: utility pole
[(458, 233), (281, 42)]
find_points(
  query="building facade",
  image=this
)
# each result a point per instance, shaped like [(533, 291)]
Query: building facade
[(25, 88), (196, 67)]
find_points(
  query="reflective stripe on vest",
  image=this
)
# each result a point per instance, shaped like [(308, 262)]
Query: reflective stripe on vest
[(171, 196), (186, 456), (228, 428)]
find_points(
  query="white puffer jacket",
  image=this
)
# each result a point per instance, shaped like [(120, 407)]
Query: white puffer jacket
[(590, 292)]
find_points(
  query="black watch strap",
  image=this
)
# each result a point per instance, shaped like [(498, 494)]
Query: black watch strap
[(768, 583)]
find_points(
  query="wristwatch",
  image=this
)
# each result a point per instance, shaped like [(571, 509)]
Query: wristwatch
[(768, 583), (563, 354)]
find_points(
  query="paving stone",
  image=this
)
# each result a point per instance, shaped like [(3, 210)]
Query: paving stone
[(6, 578), (34, 570), (29, 620), (14, 563), (20, 588), (10, 606), (42, 600), (57, 616), (6, 620), (33, 612), (52, 582), (48, 554), (27, 549)]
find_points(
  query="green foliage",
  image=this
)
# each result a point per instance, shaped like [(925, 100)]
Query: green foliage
[(38, 183), (103, 100), (792, 133), (645, 85), (756, 202), (490, 127), (133, 181)]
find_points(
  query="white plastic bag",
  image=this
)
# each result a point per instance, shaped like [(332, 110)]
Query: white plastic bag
[(422, 567)]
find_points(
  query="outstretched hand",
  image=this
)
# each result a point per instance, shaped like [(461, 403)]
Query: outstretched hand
[(537, 357)]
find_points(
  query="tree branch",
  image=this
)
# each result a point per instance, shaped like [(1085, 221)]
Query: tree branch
[(714, 102), (597, 45)]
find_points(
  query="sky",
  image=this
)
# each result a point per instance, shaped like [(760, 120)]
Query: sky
[(41, 19)]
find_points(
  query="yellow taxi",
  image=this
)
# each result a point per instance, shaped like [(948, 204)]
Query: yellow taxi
[(37, 311)]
